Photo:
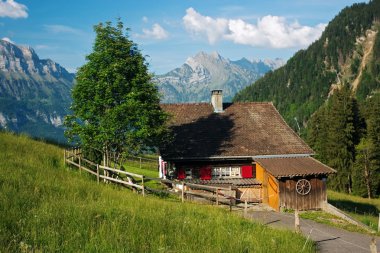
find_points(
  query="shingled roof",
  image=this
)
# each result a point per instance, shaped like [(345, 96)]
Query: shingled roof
[(241, 130), (294, 166)]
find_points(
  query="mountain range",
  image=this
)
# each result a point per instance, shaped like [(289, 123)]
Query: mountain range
[(34, 93), (194, 80)]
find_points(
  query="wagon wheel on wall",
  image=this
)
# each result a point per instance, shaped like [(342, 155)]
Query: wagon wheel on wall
[(303, 186)]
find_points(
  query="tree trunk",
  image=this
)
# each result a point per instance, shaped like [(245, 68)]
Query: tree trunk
[(367, 176), (349, 184)]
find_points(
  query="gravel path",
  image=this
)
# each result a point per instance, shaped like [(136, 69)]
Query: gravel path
[(327, 238)]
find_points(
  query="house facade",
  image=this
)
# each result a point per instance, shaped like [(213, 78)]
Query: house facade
[(247, 146)]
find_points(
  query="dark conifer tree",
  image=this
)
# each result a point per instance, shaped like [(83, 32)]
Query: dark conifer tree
[(333, 133), (373, 123)]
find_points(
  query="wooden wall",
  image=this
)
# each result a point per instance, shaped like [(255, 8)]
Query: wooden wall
[(252, 194), (289, 198)]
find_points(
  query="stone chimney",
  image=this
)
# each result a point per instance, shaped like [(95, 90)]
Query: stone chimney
[(217, 100)]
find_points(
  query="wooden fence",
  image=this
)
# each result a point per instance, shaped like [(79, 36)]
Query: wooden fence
[(108, 174), (137, 182)]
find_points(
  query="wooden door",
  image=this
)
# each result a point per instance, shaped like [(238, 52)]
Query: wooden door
[(273, 192)]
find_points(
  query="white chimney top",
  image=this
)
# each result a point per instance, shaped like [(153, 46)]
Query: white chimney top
[(217, 100)]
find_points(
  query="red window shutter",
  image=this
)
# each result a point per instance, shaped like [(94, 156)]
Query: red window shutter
[(246, 171), (205, 173), (181, 173)]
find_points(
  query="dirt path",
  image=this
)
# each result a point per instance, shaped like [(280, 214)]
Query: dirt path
[(328, 239)]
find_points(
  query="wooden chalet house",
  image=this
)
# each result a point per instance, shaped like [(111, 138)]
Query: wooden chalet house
[(247, 146)]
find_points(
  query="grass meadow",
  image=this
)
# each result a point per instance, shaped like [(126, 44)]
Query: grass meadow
[(48, 207), (362, 209)]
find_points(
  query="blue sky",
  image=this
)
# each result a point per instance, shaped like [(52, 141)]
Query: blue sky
[(169, 31)]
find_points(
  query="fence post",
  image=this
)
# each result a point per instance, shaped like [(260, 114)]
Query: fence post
[(97, 173), (230, 193), (143, 188), (245, 208), (297, 221), (183, 192), (140, 162), (217, 196), (378, 224), (104, 164), (64, 157), (80, 167), (373, 247)]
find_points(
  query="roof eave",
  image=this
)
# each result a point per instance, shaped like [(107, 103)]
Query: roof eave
[(235, 157), (211, 158), (304, 174)]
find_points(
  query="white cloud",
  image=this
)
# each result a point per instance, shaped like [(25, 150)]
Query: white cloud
[(214, 29), (12, 9), (157, 32), (61, 29), (7, 40), (270, 31), (42, 46)]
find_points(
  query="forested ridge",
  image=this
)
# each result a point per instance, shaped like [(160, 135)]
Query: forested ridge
[(301, 86), (330, 92)]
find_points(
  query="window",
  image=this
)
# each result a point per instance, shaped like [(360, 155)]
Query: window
[(188, 172), (224, 172)]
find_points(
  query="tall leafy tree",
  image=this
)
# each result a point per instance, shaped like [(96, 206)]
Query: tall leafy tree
[(115, 104)]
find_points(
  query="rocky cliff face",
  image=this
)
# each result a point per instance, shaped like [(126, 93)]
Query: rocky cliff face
[(34, 92), (195, 79)]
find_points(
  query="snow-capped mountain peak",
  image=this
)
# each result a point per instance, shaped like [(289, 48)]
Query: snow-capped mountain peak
[(200, 74)]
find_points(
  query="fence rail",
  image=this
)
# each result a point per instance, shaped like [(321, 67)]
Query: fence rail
[(221, 195)]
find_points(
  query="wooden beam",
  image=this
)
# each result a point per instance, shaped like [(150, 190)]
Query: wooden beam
[(97, 173), (121, 171), (121, 181)]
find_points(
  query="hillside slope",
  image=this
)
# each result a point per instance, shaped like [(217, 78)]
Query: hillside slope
[(45, 207), (348, 50), (34, 92)]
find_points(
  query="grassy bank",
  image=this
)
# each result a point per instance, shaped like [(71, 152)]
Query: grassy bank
[(362, 209), (46, 207)]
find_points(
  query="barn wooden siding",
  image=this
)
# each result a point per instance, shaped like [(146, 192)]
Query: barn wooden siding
[(290, 199), (250, 194)]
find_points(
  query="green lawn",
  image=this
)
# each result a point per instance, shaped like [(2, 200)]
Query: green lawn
[(362, 209), (332, 220), (47, 207)]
